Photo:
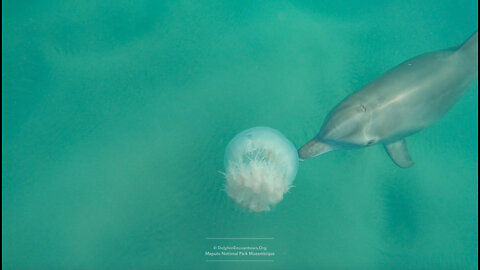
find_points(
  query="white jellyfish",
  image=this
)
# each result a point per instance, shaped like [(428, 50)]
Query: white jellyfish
[(260, 165)]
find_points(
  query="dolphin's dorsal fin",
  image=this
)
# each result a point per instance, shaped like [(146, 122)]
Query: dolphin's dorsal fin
[(470, 46), (398, 152)]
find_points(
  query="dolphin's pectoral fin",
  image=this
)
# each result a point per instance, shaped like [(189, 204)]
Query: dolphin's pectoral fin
[(398, 152)]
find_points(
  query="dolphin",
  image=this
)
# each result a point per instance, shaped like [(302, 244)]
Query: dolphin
[(399, 103)]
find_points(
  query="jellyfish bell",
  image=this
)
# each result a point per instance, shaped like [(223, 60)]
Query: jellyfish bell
[(260, 165)]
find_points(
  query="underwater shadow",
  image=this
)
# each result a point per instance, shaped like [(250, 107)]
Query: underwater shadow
[(400, 222)]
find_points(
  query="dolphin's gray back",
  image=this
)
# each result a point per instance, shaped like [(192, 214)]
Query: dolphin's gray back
[(417, 92)]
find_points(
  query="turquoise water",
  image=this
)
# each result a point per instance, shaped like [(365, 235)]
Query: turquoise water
[(116, 116)]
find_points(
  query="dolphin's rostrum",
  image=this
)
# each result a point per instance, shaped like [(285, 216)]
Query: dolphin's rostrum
[(399, 103)]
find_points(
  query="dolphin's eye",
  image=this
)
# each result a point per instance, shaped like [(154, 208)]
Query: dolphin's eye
[(363, 108), (372, 141)]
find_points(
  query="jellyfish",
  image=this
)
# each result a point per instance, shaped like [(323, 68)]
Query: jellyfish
[(260, 166)]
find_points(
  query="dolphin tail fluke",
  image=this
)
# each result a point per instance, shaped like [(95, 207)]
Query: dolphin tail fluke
[(398, 152), (313, 148)]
